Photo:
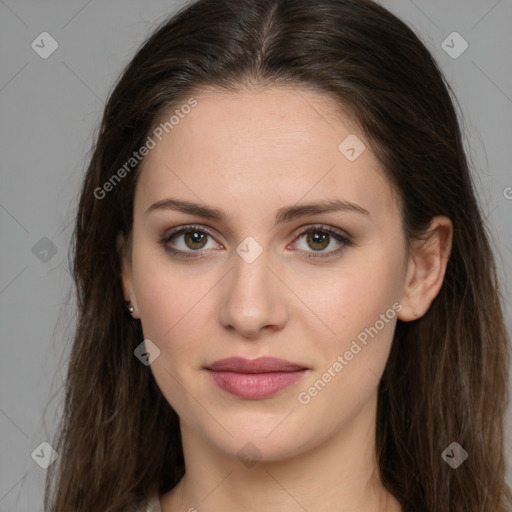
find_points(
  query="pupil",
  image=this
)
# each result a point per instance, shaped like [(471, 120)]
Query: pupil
[(318, 239), (194, 235)]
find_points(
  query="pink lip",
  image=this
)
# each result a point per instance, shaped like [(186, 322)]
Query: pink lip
[(254, 378)]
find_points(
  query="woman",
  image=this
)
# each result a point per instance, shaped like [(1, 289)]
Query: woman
[(287, 299)]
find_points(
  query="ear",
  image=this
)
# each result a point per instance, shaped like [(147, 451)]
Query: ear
[(123, 247), (426, 269)]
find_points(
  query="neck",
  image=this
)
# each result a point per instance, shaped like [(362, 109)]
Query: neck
[(339, 473)]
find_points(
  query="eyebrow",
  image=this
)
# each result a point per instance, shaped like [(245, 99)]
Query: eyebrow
[(286, 214)]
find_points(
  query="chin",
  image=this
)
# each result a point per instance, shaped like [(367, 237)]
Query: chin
[(265, 439)]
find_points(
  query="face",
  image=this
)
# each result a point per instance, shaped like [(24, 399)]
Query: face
[(266, 277)]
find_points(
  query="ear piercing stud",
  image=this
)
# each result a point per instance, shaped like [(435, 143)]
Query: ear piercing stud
[(131, 309)]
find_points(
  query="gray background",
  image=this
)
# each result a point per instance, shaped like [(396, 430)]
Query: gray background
[(49, 111)]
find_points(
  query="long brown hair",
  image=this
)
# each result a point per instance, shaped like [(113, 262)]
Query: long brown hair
[(447, 375)]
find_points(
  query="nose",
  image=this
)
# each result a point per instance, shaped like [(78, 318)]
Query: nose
[(254, 299)]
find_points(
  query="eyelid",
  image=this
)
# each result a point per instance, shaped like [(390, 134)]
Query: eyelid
[(321, 227), (178, 229)]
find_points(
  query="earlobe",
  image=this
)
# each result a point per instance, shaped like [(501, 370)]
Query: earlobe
[(426, 269)]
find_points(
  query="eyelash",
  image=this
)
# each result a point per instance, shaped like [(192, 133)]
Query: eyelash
[(344, 240)]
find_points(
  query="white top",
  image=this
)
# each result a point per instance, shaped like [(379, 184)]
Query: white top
[(152, 505)]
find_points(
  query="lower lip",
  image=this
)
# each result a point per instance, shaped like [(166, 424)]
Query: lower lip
[(253, 386)]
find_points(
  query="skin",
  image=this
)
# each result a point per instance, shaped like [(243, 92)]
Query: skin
[(250, 154)]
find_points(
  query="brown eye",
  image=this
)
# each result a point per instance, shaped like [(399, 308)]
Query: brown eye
[(318, 240), (194, 239), (188, 242)]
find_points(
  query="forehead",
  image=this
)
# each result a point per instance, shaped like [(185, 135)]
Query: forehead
[(259, 148)]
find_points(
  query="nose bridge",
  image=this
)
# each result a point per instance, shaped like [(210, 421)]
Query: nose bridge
[(253, 298)]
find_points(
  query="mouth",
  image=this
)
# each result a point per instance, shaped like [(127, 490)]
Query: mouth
[(254, 379)]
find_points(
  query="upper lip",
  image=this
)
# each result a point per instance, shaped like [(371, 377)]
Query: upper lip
[(259, 365)]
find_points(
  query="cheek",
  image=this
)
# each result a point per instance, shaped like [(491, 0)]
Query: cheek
[(163, 295), (175, 322), (360, 308), (347, 302), (170, 308), (351, 362), (175, 309)]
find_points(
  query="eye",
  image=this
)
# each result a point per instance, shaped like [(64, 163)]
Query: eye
[(319, 237), (194, 238)]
